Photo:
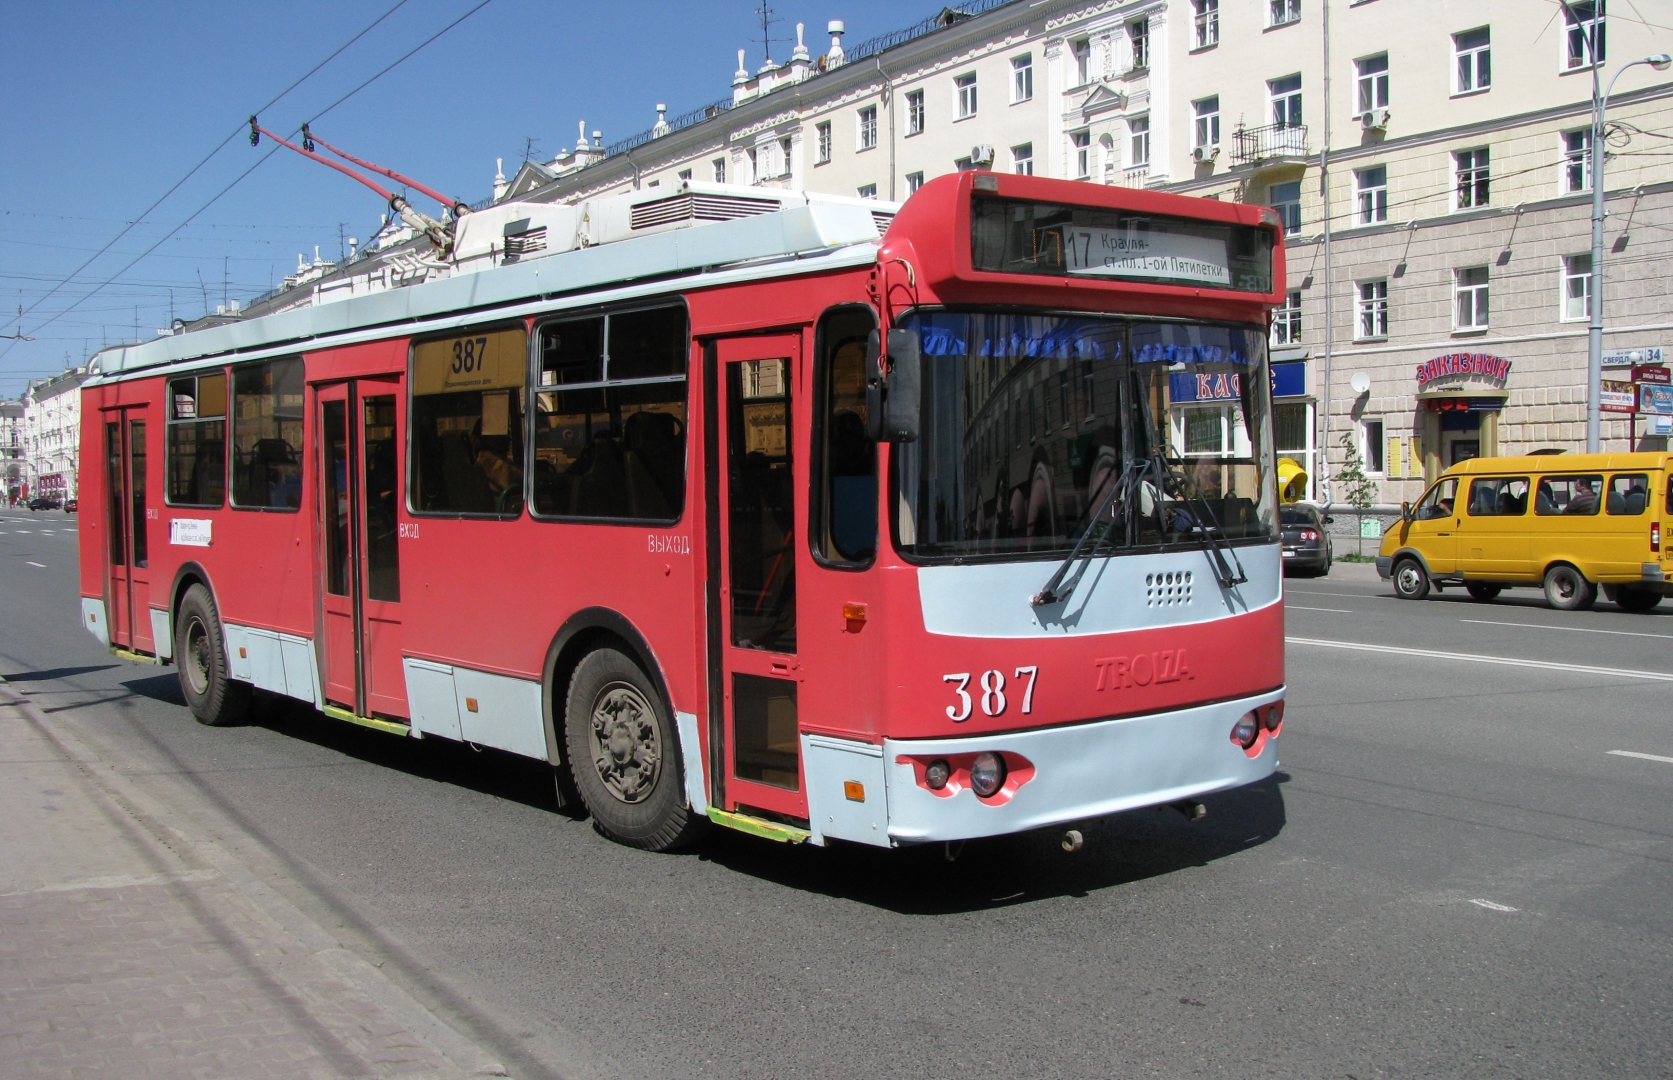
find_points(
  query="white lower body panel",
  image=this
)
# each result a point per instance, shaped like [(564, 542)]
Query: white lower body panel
[(1081, 771), (162, 634), (94, 619), (275, 662)]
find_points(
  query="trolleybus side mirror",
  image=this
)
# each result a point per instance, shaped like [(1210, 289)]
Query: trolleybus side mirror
[(892, 398)]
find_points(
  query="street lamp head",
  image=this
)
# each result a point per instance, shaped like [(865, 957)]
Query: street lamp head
[(1660, 61)]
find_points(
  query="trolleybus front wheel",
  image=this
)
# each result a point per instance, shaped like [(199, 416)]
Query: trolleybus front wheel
[(213, 695), (624, 754)]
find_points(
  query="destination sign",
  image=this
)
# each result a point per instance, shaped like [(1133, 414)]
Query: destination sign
[(1157, 256)]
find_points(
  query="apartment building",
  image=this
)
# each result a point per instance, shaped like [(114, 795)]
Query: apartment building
[(11, 450), (52, 434)]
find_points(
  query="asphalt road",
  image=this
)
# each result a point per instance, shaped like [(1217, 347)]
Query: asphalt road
[(1455, 873)]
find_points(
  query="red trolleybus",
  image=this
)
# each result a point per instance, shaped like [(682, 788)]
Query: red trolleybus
[(956, 529)]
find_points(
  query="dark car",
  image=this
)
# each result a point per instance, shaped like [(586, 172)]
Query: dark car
[(1306, 541), (43, 502)]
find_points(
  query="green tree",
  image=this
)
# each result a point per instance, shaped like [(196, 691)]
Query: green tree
[(1359, 491)]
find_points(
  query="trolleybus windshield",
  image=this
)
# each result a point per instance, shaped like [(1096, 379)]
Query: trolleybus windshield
[(1016, 237), (1029, 424)]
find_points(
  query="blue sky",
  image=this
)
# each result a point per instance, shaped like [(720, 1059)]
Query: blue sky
[(104, 106)]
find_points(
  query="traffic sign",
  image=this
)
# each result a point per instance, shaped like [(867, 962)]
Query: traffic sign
[(1649, 354)]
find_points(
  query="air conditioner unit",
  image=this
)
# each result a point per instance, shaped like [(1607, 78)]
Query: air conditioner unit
[(1374, 119), (982, 156), (1205, 153)]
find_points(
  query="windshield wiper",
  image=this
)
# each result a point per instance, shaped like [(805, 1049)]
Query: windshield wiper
[(1207, 528), (1129, 481)]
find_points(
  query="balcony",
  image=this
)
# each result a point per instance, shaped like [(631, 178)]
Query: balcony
[(1274, 144)]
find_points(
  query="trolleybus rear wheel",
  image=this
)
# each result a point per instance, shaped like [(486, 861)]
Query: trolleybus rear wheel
[(213, 695), (1567, 589), (624, 754), (1410, 582)]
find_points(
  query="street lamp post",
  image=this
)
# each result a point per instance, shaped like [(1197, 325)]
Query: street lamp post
[(1594, 343)]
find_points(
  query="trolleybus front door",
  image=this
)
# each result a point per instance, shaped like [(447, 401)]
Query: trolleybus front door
[(125, 518), (757, 482), (359, 461)]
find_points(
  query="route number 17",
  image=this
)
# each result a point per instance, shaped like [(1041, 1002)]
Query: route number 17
[(991, 694)]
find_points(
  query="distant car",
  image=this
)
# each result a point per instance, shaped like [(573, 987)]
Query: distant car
[(69, 506), (1307, 547), (43, 502)]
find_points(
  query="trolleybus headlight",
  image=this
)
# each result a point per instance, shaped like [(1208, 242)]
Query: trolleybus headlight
[(1274, 715), (1247, 729), (987, 773), (937, 773)]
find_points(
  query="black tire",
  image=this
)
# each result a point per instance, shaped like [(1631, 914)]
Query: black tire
[(1567, 589), (1636, 599), (1410, 580), (1482, 591), (630, 778), (206, 682)]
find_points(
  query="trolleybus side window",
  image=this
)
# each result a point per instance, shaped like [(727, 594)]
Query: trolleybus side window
[(1629, 493), (610, 417), (762, 540), (197, 440), (467, 423), (267, 435), (1567, 495), (845, 513)]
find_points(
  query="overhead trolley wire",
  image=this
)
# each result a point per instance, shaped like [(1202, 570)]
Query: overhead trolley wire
[(243, 128)]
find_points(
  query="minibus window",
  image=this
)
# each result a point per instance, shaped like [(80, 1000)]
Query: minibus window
[(1575, 495), (1499, 496), (1439, 502), (1629, 494)]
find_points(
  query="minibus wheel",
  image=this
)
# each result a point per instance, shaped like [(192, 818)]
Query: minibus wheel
[(213, 695), (624, 754), (1483, 591), (1567, 589), (1410, 582), (1635, 599)]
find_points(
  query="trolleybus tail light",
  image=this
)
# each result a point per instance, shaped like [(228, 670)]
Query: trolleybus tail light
[(937, 773), (1246, 730), (987, 774)]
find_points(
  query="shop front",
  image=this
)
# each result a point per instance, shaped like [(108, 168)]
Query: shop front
[(1459, 399)]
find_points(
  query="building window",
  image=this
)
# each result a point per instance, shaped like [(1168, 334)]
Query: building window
[(1372, 83), (1207, 22), (785, 155), (1139, 126), (1286, 320), (1207, 130), (868, 127), (719, 164), (1022, 159), (1585, 20), (1373, 309), (751, 154), (685, 174), (822, 136), (1283, 12), (1081, 51), (1371, 195), (1474, 69), (1577, 160), (1472, 176), (963, 164), (966, 86), (1081, 142), (1286, 200), (868, 191), (1022, 78), (1285, 95), (1371, 446), (914, 112), (1577, 287), (267, 435), (1470, 298), (914, 181), (1138, 33)]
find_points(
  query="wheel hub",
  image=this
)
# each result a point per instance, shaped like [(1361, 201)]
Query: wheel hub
[(196, 660), (626, 743)]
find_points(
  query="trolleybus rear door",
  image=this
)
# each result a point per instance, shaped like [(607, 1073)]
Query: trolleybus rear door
[(125, 517), (360, 451), (757, 485)]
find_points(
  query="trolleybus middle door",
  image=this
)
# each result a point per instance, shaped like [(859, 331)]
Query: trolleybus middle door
[(127, 518)]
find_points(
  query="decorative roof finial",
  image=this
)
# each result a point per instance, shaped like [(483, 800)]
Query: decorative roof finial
[(740, 76), (661, 128), (835, 56)]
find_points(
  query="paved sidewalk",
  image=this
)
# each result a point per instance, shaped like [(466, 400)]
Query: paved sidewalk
[(130, 949)]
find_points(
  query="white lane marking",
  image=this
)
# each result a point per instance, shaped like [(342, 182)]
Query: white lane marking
[(1337, 610), (1491, 906), (22, 532), (42, 565), (1573, 629), (1508, 661), (1646, 757), (1348, 595)]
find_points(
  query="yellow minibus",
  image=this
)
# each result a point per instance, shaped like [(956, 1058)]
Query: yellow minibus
[(1568, 523)]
